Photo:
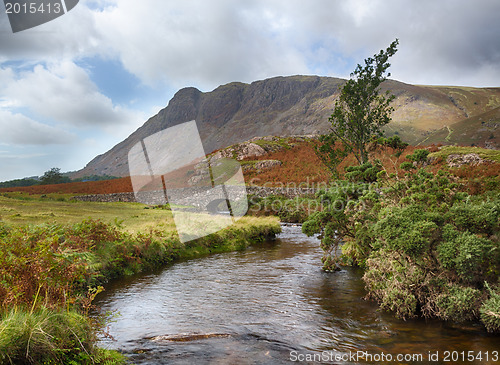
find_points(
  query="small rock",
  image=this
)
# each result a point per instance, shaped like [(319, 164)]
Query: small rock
[(246, 150), (267, 164)]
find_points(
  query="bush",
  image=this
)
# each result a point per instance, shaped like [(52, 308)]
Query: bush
[(426, 245), (418, 156), (406, 165), (409, 229), (394, 142), (480, 217), (458, 303), (367, 172), (490, 311)]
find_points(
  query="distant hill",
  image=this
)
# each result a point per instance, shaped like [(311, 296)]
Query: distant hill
[(301, 105)]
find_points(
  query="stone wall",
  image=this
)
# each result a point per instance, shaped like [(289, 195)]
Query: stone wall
[(156, 198)]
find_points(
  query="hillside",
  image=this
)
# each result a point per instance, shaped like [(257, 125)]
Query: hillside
[(299, 105), (292, 162)]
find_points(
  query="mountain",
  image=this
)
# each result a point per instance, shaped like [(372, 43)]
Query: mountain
[(301, 105)]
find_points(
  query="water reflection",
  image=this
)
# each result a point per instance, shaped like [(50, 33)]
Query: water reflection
[(270, 300)]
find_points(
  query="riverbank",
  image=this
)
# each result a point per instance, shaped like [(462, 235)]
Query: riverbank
[(426, 237), (51, 272)]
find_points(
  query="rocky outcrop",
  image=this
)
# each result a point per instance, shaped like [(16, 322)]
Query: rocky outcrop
[(456, 160), (239, 151), (248, 150)]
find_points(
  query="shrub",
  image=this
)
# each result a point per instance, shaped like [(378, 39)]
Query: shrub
[(481, 217), (406, 165), (458, 303), (419, 155), (363, 173), (409, 229), (396, 143), (426, 245), (490, 311)]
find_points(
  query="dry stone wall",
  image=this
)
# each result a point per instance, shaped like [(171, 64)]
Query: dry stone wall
[(154, 198)]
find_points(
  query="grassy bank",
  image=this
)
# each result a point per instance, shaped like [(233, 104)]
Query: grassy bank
[(50, 272)]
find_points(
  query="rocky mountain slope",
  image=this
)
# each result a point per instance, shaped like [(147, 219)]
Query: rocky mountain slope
[(301, 105)]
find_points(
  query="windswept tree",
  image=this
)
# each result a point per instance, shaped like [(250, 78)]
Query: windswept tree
[(54, 176), (360, 111)]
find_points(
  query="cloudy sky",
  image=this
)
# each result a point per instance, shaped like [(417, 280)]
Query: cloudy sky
[(74, 87)]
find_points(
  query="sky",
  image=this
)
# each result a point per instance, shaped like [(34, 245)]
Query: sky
[(72, 88)]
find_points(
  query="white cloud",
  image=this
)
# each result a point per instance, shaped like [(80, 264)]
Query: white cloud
[(68, 36), (197, 42), (64, 93), (20, 130), (206, 43)]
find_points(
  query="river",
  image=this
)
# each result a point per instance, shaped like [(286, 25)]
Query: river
[(272, 304)]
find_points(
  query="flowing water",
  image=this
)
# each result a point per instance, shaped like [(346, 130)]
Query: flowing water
[(272, 304)]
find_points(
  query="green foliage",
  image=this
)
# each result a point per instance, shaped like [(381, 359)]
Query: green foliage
[(54, 176), (406, 165), (360, 111), (458, 303), (409, 229), (419, 156), (469, 255), (490, 310), (394, 142), (19, 183), (480, 217), (335, 223), (366, 172), (427, 247)]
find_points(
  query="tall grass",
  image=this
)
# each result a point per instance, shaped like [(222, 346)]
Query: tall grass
[(50, 273), (50, 337)]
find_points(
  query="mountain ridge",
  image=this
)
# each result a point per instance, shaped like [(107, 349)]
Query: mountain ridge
[(298, 105)]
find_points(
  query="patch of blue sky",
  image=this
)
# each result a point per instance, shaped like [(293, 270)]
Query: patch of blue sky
[(324, 61), (121, 86), (20, 66), (98, 5)]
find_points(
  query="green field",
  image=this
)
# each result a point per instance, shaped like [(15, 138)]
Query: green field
[(19, 209)]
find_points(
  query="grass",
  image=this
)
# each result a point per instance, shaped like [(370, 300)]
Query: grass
[(52, 264), (50, 337), (445, 151), (21, 208)]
